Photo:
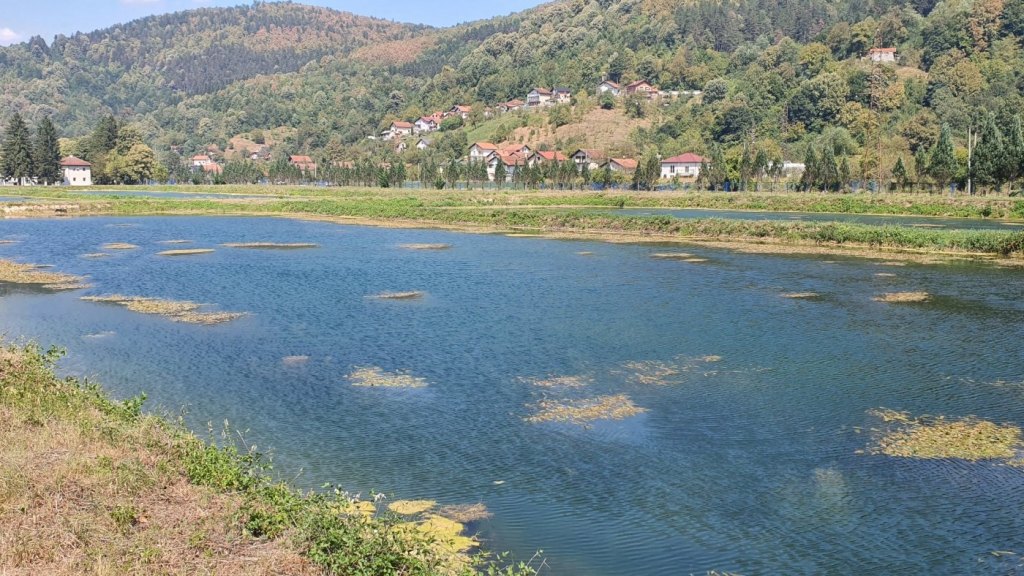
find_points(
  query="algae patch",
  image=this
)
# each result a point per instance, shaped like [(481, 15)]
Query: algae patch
[(903, 297), (560, 381), (801, 295), (272, 245), (374, 377), (938, 437), (410, 295), (672, 256), (15, 273), (294, 360), (95, 255), (175, 242), (465, 513), (411, 507), (119, 246), (188, 252), (615, 407), (176, 310)]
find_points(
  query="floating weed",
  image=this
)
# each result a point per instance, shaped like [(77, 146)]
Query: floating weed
[(710, 358), (903, 297), (272, 245), (119, 246), (885, 275), (96, 255), (585, 253), (176, 310), (617, 407), (695, 260), (560, 381), (189, 252), (801, 295), (374, 377), (15, 273), (294, 360), (936, 437), (465, 513), (175, 242), (672, 256), (6, 242), (425, 246), (892, 263), (99, 335), (657, 373), (411, 507), (411, 295), (447, 533)]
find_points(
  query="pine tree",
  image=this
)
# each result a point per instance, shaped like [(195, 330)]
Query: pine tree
[(46, 154), (828, 170), (1015, 151), (899, 173), (989, 161), (500, 173), (942, 161), (920, 165), (810, 175), (17, 151)]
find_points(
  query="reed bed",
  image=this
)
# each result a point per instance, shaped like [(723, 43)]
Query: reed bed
[(272, 245), (465, 513), (560, 381), (411, 295), (186, 252), (936, 437), (903, 297), (176, 310), (411, 507), (616, 407), (374, 377), (119, 246), (15, 273), (438, 246)]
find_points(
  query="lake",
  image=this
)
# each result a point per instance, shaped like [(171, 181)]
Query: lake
[(748, 458)]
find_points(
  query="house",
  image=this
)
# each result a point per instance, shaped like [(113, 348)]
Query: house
[(304, 163), (399, 128), (561, 96), (511, 160), (682, 166), (592, 159), (621, 164), (423, 144), (538, 97), (77, 172), (882, 55), (481, 150), (512, 105), (521, 149), (426, 124), (402, 146), (642, 88), (545, 156), (609, 87), (200, 160), (791, 169), (459, 111)]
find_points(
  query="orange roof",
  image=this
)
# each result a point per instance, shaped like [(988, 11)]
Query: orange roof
[(552, 155), (688, 158), (72, 161), (612, 84), (398, 124), (485, 146), (200, 157), (542, 91), (511, 158), (462, 109), (514, 102), (300, 159), (627, 163)]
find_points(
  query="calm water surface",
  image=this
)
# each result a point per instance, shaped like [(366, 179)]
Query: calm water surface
[(749, 464)]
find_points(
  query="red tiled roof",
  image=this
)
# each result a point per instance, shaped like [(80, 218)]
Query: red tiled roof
[(200, 158), (513, 103), (637, 84), (300, 159), (688, 158), (485, 146), (397, 124), (612, 84), (462, 109), (544, 91), (627, 163), (511, 158), (592, 154), (428, 119), (552, 155), (212, 168), (72, 161)]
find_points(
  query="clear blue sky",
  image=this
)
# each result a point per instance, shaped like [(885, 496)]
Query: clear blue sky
[(48, 18)]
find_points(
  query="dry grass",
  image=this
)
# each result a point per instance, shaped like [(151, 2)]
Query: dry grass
[(465, 513), (800, 295), (903, 297), (189, 252), (411, 295), (411, 507), (15, 273), (176, 310), (374, 377), (560, 381), (425, 246), (271, 245), (936, 437), (119, 246), (82, 493), (617, 407)]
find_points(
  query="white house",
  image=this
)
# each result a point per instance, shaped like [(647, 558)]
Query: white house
[(592, 159), (426, 124), (609, 87), (882, 55), (200, 160), (481, 150), (399, 129), (77, 172), (621, 164), (561, 96), (423, 144), (538, 97), (682, 166), (511, 160)]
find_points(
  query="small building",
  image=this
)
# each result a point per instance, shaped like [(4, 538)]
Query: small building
[(592, 159), (458, 110), (538, 97), (399, 128), (882, 55), (200, 160), (304, 163), (512, 162), (561, 96), (426, 124), (791, 169), (481, 150), (402, 146), (621, 165), (682, 166), (512, 105), (521, 149), (423, 144), (77, 172), (545, 156), (642, 88), (609, 87)]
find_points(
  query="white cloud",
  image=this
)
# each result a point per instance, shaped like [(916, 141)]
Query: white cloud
[(8, 37)]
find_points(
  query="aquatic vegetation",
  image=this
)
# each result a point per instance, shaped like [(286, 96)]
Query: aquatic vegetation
[(672, 256), (903, 297), (411, 295), (800, 295), (188, 252), (174, 242), (374, 377), (94, 255), (15, 273), (411, 507), (585, 253), (936, 437), (294, 360), (560, 381), (695, 260), (271, 245), (100, 335), (616, 407), (465, 513), (885, 275), (425, 246), (447, 533), (657, 373), (119, 246), (176, 310), (892, 263)]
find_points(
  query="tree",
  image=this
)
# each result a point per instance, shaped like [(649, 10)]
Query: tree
[(46, 153), (137, 165), (990, 161), (17, 151), (810, 176), (500, 174), (607, 178), (899, 174), (942, 163), (828, 170)]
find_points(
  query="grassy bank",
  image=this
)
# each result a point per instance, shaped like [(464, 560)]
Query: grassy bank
[(93, 486)]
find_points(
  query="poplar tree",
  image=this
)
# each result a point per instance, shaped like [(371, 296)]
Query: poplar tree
[(942, 161), (899, 173), (17, 151), (989, 161), (810, 175), (828, 170), (500, 174), (46, 154)]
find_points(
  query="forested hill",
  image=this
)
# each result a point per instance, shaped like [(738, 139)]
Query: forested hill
[(136, 68)]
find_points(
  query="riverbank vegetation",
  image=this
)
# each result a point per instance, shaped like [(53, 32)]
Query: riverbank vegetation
[(91, 485)]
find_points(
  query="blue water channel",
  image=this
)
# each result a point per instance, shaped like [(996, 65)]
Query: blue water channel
[(753, 464)]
